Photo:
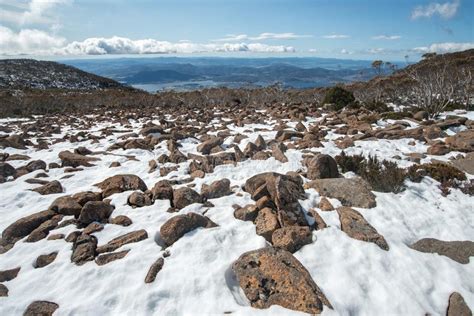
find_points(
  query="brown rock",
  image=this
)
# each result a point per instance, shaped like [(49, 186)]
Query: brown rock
[(206, 146), (8, 275), (266, 223), (325, 205), (185, 196), (49, 188), (246, 213), (109, 257), (162, 190), (84, 249), (319, 222), (462, 141), (118, 242), (272, 276), (6, 171), (3, 290), (321, 167), (44, 260), (291, 238), (457, 306), (93, 228), (138, 199), (154, 269), (177, 226), (41, 308), (121, 183), (459, 251), (43, 230), (278, 152), (84, 197), (56, 236), (357, 227), (24, 226), (70, 159), (438, 150), (66, 205), (216, 190), (72, 237), (354, 192), (114, 164), (121, 220), (95, 211)]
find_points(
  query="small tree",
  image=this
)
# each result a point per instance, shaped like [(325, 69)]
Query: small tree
[(338, 96), (377, 65)]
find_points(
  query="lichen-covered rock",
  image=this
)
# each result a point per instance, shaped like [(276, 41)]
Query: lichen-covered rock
[(246, 213), (291, 238), (177, 226), (272, 276), (266, 223)]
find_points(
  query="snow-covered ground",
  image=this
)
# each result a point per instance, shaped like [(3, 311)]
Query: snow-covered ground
[(357, 277)]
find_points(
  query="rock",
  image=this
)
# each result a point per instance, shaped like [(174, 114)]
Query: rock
[(459, 251), (115, 164), (8, 275), (185, 196), (70, 159), (206, 146), (246, 213), (109, 257), (84, 249), (462, 141), (260, 143), (13, 141), (357, 227), (66, 205), (291, 238), (56, 236), (278, 152), (138, 199), (325, 205), (421, 115), (154, 269), (93, 228), (35, 165), (41, 308), (151, 130), (457, 306), (44, 260), (121, 183), (153, 165), (95, 211), (266, 223), (216, 190), (24, 226), (272, 276), (250, 150), (177, 226), (118, 242), (354, 192), (162, 190), (463, 164), (261, 155), (438, 150), (52, 187), (83, 197), (319, 222), (3, 290), (72, 237), (6, 171), (42, 230), (121, 220), (321, 167)]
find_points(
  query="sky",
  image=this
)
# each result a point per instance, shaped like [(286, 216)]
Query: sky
[(351, 29)]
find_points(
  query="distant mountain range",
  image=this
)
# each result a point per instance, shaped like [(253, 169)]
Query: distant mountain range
[(185, 73)]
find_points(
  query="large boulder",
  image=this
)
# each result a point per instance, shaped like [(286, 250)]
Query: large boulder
[(354, 192), (69, 159), (272, 276), (95, 211), (162, 190), (216, 189), (6, 171), (292, 238), (357, 227), (84, 249), (121, 183), (52, 187), (266, 223), (185, 196), (321, 167), (459, 251), (177, 226), (24, 226), (66, 205)]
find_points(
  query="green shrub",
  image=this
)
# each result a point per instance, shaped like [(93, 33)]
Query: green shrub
[(349, 163), (338, 96), (442, 173)]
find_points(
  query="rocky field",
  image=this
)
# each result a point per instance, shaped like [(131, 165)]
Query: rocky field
[(237, 210)]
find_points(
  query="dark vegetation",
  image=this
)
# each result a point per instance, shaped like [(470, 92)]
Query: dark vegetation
[(338, 96)]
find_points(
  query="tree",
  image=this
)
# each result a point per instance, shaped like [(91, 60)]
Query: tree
[(338, 96), (377, 65)]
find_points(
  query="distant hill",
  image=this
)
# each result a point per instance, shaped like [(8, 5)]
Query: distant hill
[(34, 74)]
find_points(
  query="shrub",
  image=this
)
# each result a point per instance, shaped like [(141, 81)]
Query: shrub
[(338, 96), (442, 173), (396, 115), (377, 106), (383, 176)]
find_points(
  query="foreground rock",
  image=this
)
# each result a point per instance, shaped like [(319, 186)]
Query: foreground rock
[(41, 308), (185, 196), (24, 226), (177, 226), (44, 260), (457, 306), (66, 205), (121, 183), (356, 226), (216, 189), (354, 192), (459, 251), (84, 249), (272, 276), (321, 167), (3, 290)]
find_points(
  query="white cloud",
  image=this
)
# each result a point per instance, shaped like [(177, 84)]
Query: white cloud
[(336, 36), (445, 10), (261, 37), (444, 48), (386, 37), (346, 52), (28, 40), (312, 50), (41, 43), (33, 12)]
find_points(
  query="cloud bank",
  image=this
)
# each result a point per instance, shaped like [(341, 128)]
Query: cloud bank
[(387, 37), (444, 48), (336, 36), (445, 10), (261, 37)]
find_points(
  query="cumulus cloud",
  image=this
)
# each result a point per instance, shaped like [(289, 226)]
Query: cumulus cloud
[(444, 48), (445, 10), (41, 43), (261, 37), (28, 41), (336, 36), (32, 12), (386, 37)]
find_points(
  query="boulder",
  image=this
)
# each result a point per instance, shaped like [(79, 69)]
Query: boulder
[(457, 306), (83, 197), (109, 257), (206, 146), (93, 228), (266, 223), (357, 227), (185, 196), (24, 226), (462, 141), (162, 190), (6, 171), (66, 205), (95, 211), (138, 199), (278, 152), (354, 192), (121, 183), (325, 205), (246, 213), (272, 276), (291, 238), (84, 249), (321, 167), (216, 189), (43, 230), (118, 242), (154, 269), (44, 260), (41, 308), (8, 275), (69, 159), (177, 226), (52, 187), (121, 220), (3, 290), (459, 251)]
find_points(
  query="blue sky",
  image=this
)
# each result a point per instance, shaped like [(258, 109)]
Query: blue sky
[(357, 29)]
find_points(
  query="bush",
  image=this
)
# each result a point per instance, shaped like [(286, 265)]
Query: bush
[(440, 172), (377, 106), (383, 176), (396, 115), (338, 96)]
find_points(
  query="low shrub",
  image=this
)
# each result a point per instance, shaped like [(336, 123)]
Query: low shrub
[(377, 106), (396, 115), (338, 96), (442, 173)]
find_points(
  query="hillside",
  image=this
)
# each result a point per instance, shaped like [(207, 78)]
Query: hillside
[(35, 74)]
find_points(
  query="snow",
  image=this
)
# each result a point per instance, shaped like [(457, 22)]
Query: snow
[(357, 277)]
